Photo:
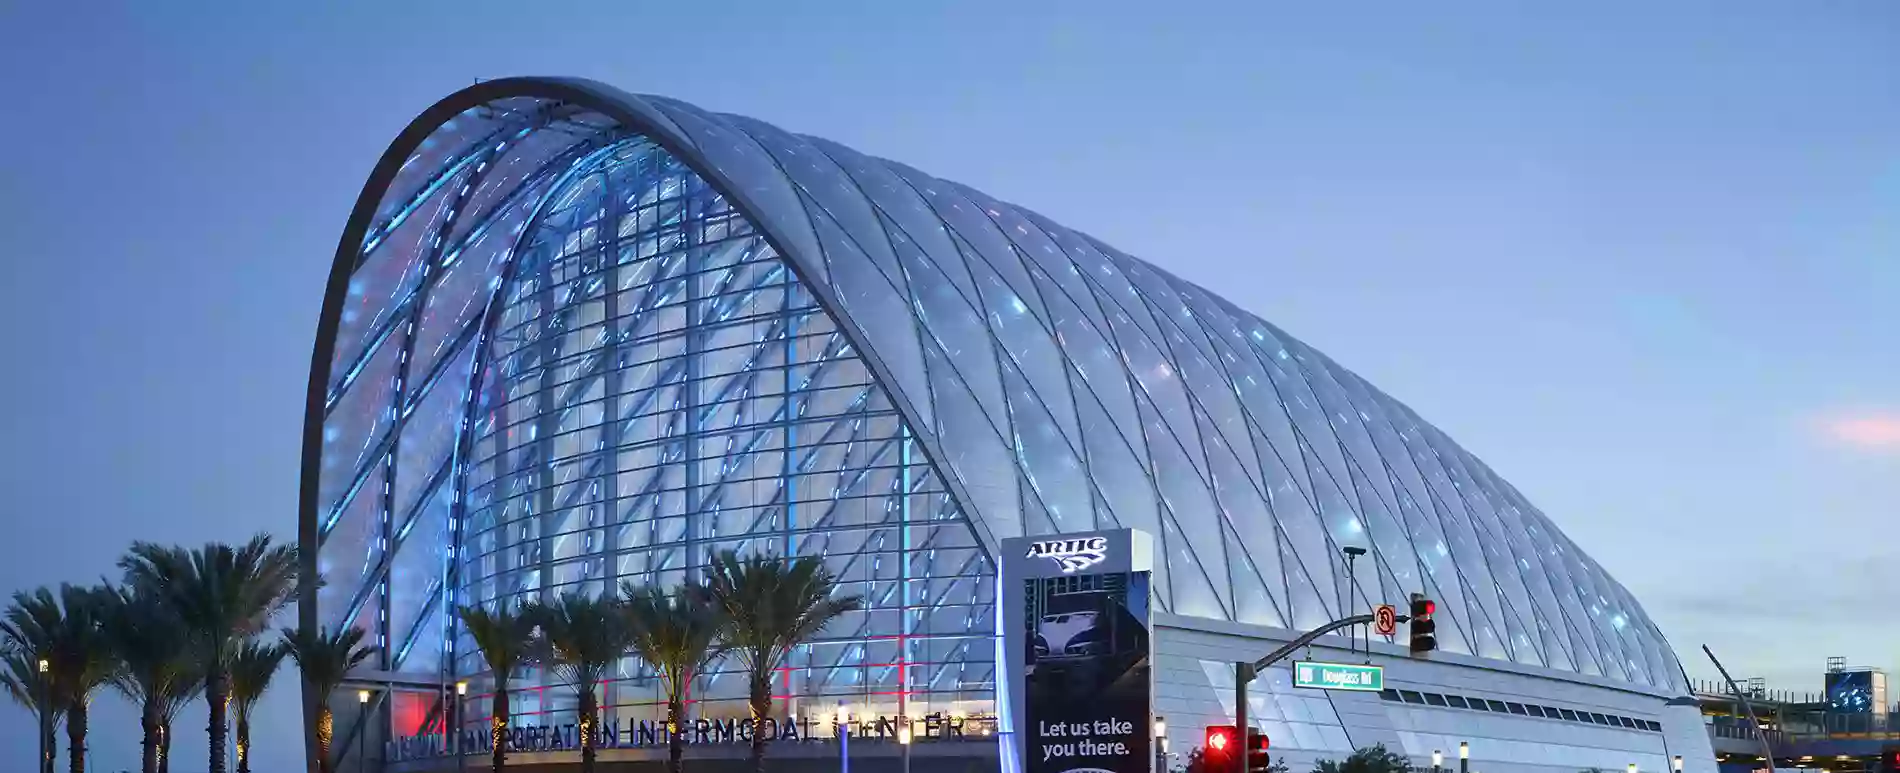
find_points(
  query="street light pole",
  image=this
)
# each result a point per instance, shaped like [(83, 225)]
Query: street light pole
[(46, 718), (1464, 757), (1161, 744), (362, 730), (844, 738), (461, 756), (903, 741), (1438, 761), (1676, 764)]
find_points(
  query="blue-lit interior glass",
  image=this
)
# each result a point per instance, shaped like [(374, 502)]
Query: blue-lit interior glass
[(587, 359)]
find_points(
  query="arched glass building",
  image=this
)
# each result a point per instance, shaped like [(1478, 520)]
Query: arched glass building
[(574, 336)]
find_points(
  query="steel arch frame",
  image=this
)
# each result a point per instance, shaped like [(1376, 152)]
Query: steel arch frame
[(629, 113)]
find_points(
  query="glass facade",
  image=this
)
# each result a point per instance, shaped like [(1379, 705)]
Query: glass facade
[(578, 337)]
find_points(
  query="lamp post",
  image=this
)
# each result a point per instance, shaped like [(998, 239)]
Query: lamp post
[(461, 758), (1676, 764), (362, 730), (46, 718), (844, 738), (1632, 767), (903, 742), (1161, 744), (1464, 757), (1438, 760)]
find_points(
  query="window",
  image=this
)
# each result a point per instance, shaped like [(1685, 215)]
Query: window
[(1520, 709)]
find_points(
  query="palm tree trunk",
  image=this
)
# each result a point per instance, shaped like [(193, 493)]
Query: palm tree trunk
[(326, 727), (150, 721), (590, 707), (675, 743), (761, 705), (76, 736), (165, 747), (244, 742), (498, 727), (216, 690)]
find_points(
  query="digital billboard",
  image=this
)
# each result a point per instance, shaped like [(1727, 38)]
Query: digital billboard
[(1857, 692)]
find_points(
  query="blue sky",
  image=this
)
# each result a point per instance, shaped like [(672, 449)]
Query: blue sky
[(1643, 258)]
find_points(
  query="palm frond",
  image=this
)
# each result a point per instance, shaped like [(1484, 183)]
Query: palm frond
[(253, 664), (773, 604), (226, 593), (325, 657), (153, 650), (678, 634), (20, 677), (584, 636), (66, 631)]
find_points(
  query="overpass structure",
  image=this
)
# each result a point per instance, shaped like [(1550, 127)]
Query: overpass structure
[(1802, 729)]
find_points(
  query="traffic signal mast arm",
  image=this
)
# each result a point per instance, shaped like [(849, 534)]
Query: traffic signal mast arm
[(1244, 671), (1308, 637)]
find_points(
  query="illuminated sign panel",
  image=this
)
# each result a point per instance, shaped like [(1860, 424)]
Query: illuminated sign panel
[(1338, 676), (1073, 555), (1077, 651)]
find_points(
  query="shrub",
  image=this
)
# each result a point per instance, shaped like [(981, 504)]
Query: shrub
[(1371, 759)]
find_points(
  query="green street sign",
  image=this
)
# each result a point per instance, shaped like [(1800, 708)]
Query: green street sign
[(1338, 676)]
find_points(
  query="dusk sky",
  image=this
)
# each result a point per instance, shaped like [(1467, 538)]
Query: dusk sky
[(1642, 258)]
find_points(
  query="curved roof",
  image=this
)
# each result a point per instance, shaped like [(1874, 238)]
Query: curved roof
[(1059, 384)]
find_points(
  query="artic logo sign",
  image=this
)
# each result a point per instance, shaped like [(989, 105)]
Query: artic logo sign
[(1073, 555)]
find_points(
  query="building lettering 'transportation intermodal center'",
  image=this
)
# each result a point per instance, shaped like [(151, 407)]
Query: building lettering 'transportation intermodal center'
[(575, 336)]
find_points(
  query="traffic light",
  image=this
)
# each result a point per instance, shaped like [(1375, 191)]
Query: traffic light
[(1223, 744), (1424, 631), (1257, 758)]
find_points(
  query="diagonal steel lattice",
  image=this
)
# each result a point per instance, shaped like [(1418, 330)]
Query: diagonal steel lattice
[(587, 336)]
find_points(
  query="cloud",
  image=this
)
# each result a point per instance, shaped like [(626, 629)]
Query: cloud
[(1870, 430)]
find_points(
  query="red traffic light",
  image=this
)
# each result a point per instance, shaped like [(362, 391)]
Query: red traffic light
[(1424, 632), (1220, 738), (1258, 761)]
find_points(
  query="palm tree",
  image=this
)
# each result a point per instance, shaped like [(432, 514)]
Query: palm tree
[(222, 593), (155, 666), (504, 636), (585, 637), (67, 630), (253, 664), (27, 687), (773, 605), (679, 635), (325, 658)]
